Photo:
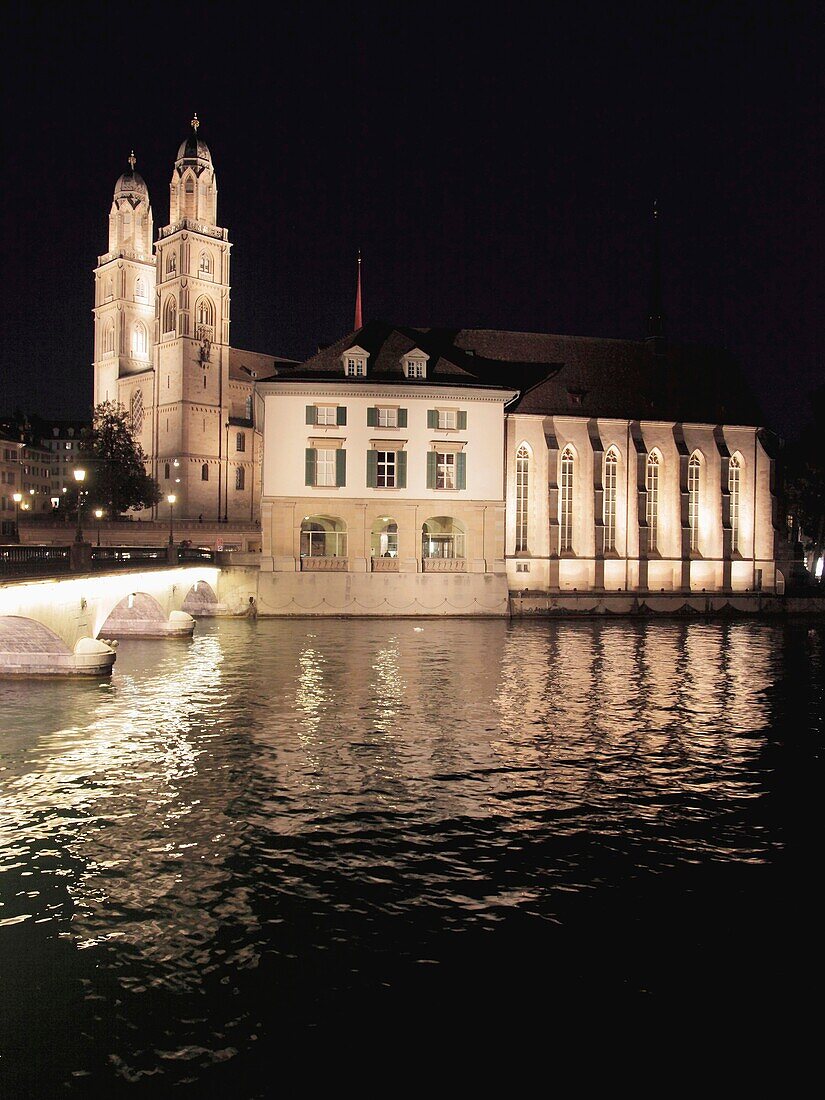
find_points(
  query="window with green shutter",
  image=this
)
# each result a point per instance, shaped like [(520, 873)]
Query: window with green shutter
[(372, 417), (461, 470), (402, 418), (401, 469), (431, 469), (340, 466), (310, 465), (432, 418), (372, 468), (341, 415), (310, 414), (462, 421)]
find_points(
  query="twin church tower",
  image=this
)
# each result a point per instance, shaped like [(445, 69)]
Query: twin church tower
[(161, 349)]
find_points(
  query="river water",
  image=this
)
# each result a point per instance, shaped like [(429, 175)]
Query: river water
[(291, 828)]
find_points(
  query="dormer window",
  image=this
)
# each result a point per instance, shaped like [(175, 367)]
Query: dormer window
[(355, 362), (415, 364)]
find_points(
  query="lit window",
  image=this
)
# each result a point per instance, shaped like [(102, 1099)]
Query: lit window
[(734, 477), (170, 316), (566, 501), (522, 490), (445, 470), (652, 502), (415, 368), (325, 415), (325, 466), (387, 418), (693, 501), (385, 469), (240, 477), (611, 462), (356, 368), (136, 413), (140, 340)]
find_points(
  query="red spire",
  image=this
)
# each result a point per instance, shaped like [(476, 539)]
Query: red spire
[(358, 320)]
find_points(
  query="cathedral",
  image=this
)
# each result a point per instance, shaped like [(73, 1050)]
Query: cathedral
[(428, 471), (161, 342)]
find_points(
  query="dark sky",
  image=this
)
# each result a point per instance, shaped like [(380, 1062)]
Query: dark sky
[(497, 172)]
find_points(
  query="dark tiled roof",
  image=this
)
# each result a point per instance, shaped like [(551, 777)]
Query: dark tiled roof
[(242, 365), (557, 375)]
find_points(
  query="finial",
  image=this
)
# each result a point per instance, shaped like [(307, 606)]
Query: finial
[(132, 160), (195, 123), (359, 257), (655, 209)]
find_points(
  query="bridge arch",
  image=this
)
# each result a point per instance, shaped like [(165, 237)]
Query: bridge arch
[(200, 599), (138, 614), (28, 646)]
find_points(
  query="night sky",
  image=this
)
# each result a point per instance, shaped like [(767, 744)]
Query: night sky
[(496, 173)]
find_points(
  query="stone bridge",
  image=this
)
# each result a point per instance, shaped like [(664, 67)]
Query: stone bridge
[(63, 624)]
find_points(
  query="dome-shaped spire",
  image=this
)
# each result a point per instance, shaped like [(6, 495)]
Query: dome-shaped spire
[(131, 185), (193, 149)]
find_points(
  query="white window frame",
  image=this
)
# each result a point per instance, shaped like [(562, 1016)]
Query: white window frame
[(326, 416), (355, 366), (386, 469), (387, 417), (611, 479), (325, 466), (447, 420), (446, 470), (567, 464)]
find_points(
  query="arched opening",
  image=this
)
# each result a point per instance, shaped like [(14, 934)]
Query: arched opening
[(136, 614), (205, 265), (652, 500), (205, 312), (566, 500), (170, 315), (27, 646), (611, 470), (384, 538), (140, 341), (136, 412), (140, 289), (109, 340), (442, 538), (323, 537), (205, 472), (694, 472), (522, 496), (734, 487), (200, 600)]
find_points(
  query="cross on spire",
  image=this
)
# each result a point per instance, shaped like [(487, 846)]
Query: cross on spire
[(195, 122), (358, 321), (132, 160)]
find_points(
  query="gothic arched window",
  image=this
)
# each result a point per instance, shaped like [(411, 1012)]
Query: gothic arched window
[(734, 479), (205, 265), (522, 496), (205, 472), (171, 264), (611, 465), (694, 467), (170, 315), (566, 500), (140, 340), (652, 502), (240, 477), (140, 289), (136, 412), (109, 340)]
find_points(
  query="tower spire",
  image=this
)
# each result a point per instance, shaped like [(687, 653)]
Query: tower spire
[(358, 318), (132, 160), (655, 316)]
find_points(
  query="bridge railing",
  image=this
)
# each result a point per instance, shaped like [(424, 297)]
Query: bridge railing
[(28, 561), (16, 560)]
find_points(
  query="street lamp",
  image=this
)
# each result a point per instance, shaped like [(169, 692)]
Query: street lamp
[(170, 499), (98, 517), (16, 497), (80, 477)]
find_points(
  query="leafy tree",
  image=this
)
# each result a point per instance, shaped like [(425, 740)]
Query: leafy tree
[(805, 479), (116, 477)]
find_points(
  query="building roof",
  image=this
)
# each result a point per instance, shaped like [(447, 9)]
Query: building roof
[(558, 375), (254, 366)]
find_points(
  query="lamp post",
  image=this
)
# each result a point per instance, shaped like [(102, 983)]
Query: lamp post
[(80, 477), (16, 497), (171, 498), (98, 517)]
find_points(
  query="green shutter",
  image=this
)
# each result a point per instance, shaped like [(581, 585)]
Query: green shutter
[(430, 469), (372, 468), (372, 417), (310, 466), (432, 418), (340, 466), (461, 470), (310, 415), (341, 415), (462, 421), (401, 469), (402, 418)]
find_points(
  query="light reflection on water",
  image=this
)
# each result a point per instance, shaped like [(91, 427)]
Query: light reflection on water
[(308, 808)]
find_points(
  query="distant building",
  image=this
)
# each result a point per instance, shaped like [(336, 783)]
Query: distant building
[(26, 466), (510, 461), (161, 318), (10, 481), (64, 439)]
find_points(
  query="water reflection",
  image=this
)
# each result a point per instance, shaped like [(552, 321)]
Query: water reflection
[(288, 796)]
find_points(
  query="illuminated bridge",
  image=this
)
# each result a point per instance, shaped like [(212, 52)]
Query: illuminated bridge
[(55, 621)]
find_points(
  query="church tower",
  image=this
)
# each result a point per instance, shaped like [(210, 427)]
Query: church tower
[(124, 309), (192, 340)]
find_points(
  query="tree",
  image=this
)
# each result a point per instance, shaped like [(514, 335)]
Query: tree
[(805, 480), (116, 477)]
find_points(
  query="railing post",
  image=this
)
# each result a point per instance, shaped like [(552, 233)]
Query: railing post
[(80, 557)]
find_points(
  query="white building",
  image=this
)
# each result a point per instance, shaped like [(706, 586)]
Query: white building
[(409, 471)]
